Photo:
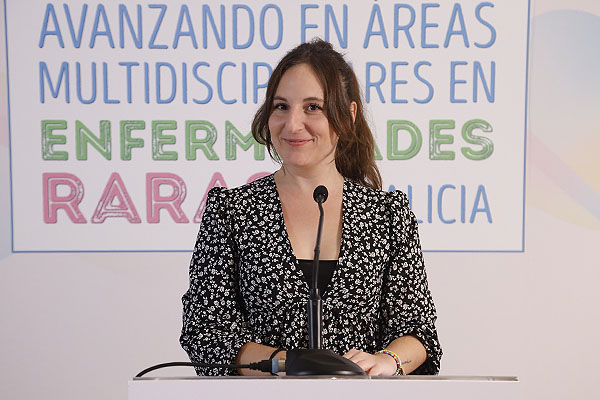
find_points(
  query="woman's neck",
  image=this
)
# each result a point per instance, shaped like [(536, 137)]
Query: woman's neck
[(305, 180)]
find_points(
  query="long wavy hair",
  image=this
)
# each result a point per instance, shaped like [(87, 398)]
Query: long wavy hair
[(354, 153)]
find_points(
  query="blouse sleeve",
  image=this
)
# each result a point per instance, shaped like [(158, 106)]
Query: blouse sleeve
[(214, 326), (408, 308)]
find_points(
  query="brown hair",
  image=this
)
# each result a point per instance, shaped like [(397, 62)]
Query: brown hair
[(354, 153)]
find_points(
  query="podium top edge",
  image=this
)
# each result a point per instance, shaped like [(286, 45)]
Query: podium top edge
[(334, 377)]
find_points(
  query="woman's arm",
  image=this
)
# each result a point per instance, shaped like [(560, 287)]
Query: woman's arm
[(214, 324), (254, 352), (407, 308)]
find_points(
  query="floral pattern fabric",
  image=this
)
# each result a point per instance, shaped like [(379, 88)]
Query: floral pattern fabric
[(246, 285)]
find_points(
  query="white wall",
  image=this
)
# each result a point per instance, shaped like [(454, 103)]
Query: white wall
[(78, 326)]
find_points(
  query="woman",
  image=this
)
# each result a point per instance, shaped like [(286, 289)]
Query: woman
[(251, 264)]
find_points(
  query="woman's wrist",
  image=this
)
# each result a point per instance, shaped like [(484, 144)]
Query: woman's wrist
[(393, 361)]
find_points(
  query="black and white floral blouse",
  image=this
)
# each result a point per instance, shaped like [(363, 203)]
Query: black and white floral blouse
[(246, 286)]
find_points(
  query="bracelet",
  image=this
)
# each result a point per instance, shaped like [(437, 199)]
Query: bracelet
[(399, 369)]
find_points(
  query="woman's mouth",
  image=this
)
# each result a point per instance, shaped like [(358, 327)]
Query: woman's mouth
[(297, 142)]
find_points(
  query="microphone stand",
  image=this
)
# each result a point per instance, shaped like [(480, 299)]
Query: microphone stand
[(315, 305), (316, 360)]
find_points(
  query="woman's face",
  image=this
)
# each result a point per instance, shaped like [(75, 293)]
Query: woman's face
[(300, 131)]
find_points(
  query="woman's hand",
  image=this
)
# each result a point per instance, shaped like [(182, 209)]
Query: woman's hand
[(373, 364)]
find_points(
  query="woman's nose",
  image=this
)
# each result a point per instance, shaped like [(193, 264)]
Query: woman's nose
[(295, 120)]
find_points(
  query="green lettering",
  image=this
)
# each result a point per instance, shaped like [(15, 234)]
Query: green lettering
[(436, 139), (159, 140), (193, 143), (127, 142), (49, 139), (416, 140), (487, 146), (83, 136), (233, 138)]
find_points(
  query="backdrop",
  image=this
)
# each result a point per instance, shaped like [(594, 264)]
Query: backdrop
[(117, 119)]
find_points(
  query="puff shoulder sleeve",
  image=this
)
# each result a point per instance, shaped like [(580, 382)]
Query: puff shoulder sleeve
[(214, 324)]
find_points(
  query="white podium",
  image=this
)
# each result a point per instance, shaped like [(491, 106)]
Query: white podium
[(325, 387)]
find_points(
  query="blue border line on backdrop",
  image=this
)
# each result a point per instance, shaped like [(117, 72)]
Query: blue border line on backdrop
[(12, 239), (525, 127), (12, 231)]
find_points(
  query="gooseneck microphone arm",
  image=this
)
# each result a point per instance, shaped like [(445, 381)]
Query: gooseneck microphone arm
[(315, 360), (318, 245), (315, 317)]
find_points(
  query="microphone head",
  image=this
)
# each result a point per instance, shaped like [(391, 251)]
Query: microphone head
[(320, 194)]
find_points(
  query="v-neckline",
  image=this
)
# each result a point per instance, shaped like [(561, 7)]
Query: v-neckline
[(298, 272)]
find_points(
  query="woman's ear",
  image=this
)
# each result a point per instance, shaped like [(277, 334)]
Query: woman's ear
[(353, 108)]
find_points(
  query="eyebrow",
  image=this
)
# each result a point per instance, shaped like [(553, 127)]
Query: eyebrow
[(305, 99)]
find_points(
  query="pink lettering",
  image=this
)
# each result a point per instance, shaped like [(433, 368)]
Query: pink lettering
[(69, 203), (115, 202), (172, 202)]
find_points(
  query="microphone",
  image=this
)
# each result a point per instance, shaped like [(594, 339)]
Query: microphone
[(320, 194), (315, 319), (315, 360)]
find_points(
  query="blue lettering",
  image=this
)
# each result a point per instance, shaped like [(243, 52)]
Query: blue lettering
[(146, 83), (425, 81), (79, 85), (244, 83), (425, 25), (454, 81), (376, 85), (202, 81), (375, 12), (481, 195), (486, 24), (429, 203), (303, 25), (64, 72), (105, 85), (263, 13), (76, 38), (184, 82), (490, 90), (456, 11), (330, 16), (159, 98), (101, 14), (397, 82), (50, 13), (405, 28), (124, 15), (234, 12), (220, 82), (184, 12), (128, 66), (440, 202), (163, 9), (263, 85), (206, 16)]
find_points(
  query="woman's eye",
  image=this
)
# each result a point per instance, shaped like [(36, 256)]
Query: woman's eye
[(314, 107), (280, 106)]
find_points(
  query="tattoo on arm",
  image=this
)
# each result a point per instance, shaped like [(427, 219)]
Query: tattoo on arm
[(406, 362)]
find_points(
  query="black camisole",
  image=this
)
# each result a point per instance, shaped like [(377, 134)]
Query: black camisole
[(326, 269)]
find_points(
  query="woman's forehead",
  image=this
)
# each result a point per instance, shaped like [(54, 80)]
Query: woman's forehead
[(300, 81)]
